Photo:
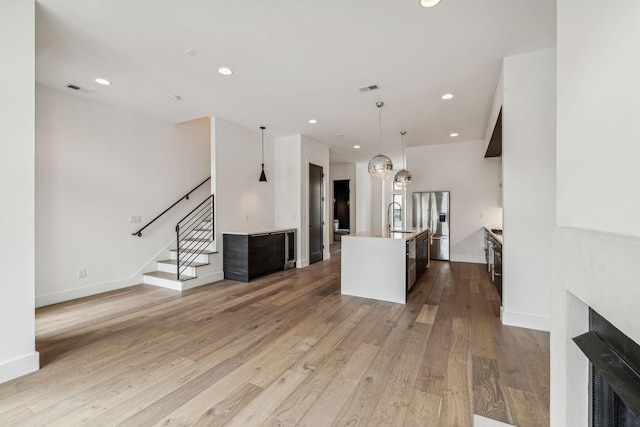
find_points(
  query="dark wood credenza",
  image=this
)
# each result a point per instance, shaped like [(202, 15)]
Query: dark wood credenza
[(247, 256)]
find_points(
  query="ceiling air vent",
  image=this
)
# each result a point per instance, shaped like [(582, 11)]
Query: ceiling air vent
[(368, 88), (78, 88)]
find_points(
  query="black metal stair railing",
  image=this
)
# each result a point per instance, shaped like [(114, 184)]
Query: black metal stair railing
[(185, 197), (194, 235)]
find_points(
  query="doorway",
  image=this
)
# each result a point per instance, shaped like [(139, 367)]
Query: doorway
[(316, 246), (341, 214)]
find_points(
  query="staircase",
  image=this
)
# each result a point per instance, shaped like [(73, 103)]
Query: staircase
[(189, 264)]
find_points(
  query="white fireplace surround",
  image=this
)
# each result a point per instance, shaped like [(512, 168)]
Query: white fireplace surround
[(597, 270), (597, 177)]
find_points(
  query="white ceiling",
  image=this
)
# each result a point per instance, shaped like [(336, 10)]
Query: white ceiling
[(294, 60)]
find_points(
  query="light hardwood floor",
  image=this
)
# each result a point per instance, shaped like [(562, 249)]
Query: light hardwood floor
[(287, 349)]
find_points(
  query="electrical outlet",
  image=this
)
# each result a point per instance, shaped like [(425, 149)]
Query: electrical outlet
[(82, 273), (135, 219)]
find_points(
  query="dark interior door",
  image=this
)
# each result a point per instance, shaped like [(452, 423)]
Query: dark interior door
[(315, 213), (341, 203)]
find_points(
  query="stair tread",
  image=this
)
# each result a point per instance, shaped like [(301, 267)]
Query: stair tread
[(193, 264), (191, 251), (191, 239), (169, 276)]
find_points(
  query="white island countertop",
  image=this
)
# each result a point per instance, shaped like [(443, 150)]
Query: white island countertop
[(406, 235), (374, 264)]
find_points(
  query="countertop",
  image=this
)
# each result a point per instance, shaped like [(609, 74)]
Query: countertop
[(255, 232), (497, 237), (414, 232)]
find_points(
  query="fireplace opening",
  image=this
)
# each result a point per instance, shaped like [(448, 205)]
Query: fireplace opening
[(615, 374), (607, 409)]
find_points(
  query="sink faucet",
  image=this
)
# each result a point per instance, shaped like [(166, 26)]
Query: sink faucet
[(389, 214)]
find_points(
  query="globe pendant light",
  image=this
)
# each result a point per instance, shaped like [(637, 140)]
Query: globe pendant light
[(263, 177), (403, 177), (380, 167)]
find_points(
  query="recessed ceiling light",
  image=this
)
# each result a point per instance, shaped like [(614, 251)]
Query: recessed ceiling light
[(103, 82), (453, 135), (225, 71), (356, 146), (175, 97), (191, 52), (447, 96), (313, 121), (429, 3)]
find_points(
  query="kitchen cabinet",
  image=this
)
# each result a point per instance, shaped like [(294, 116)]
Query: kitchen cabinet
[(417, 258), (493, 256), (422, 254), (497, 268), (247, 256), (411, 264)]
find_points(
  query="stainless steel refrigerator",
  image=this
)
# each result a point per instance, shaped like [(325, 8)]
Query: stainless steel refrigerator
[(431, 209)]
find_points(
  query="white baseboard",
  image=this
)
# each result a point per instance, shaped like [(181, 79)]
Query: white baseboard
[(85, 291), (19, 367), (528, 321), (303, 263)]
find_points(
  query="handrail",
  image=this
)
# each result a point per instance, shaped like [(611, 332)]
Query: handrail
[(186, 196)]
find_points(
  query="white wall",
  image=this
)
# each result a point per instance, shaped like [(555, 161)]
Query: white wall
[(474, 185), (95, 167), (317, 153), (17, 253), (528, 168), (598, 161), (344, 171), (364, 198), (243, 204), (288, 188), (287, 181), (597, 181), (293, 154)]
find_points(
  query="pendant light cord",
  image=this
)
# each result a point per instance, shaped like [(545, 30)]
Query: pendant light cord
[(402, 134), (380, 105), (380, 129), (262, 129)]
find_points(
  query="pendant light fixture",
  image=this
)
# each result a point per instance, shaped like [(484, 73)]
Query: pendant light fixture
[(403, 177), (380, 166), (263, 177)]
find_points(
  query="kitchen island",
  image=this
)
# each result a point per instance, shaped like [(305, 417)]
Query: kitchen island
[(380, 265)]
